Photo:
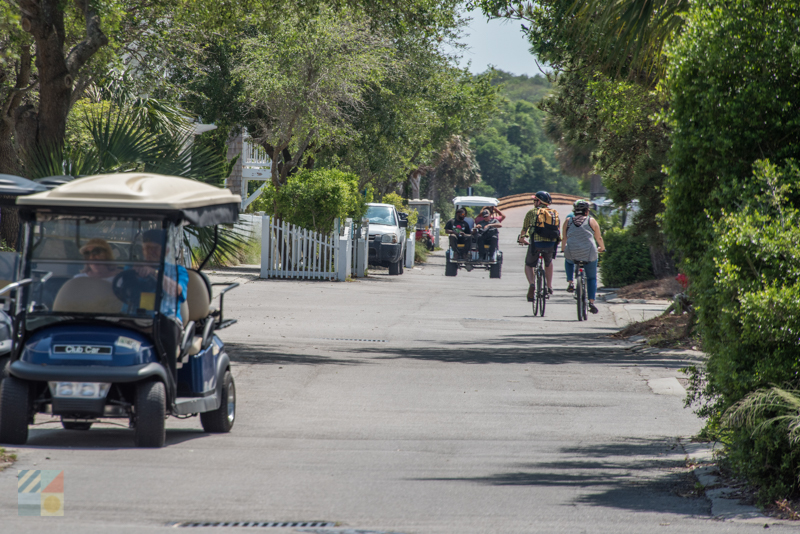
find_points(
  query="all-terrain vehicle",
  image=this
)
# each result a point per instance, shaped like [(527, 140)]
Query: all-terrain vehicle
[(108, 319), (477, 252)]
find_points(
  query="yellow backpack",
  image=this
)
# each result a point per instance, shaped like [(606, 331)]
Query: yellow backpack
[(547, 224)]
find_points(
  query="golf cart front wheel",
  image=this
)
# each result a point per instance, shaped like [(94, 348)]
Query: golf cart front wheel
[(151, 411), (494, 270), (15, 411), (222, 419), (450, 267)]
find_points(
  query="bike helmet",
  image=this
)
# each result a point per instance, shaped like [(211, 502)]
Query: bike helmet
[(580, 205), (544, 196)]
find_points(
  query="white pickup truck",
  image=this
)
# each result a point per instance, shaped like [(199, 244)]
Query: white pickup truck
[(387, 234)]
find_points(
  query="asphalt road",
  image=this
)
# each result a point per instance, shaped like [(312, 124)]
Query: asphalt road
[(409, 404)]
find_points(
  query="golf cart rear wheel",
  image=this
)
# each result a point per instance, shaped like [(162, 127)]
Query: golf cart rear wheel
[(222, 419), (151, 411), (15, 411), (494, 270), (450, 267), (394, 268), (72, 425)]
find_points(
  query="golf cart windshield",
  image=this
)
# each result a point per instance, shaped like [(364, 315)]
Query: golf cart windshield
[(424, 215), (381, 215), (100, 266)]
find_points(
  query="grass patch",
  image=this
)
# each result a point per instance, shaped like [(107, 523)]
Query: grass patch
[(6, 459), (420, 252)]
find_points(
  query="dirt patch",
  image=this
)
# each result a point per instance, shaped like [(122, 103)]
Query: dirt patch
[(663, 289), (6, 459), (668, 331)]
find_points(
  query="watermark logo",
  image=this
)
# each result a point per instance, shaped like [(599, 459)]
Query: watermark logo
[(40, 492)]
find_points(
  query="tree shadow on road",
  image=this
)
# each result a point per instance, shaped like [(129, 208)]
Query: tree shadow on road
[(546, 349), (634, 474), (264, 354)]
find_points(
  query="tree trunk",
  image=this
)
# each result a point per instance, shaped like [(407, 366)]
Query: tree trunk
[(663, 263), (414, 182), (9, 224), (44, 20)]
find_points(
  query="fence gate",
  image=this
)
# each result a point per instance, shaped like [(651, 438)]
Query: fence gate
[(288, 251)]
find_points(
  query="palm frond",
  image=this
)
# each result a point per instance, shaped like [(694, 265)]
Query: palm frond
[(230, 243), (766, 408), (628, 34), (121, 143), (46, 160)]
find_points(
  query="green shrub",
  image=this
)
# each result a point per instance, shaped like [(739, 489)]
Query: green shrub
[(626, 260), (395, 200), (734, 93), (748, 306), (314, 198)]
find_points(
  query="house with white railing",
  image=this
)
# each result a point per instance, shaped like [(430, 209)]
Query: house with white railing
[(254, 164)]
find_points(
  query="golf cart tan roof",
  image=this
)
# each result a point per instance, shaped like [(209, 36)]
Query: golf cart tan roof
[(420, 201), (474, 201), (197, 202)]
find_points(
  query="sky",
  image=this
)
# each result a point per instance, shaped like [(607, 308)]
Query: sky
[(498, 42)]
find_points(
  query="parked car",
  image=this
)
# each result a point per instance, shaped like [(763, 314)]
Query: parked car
[(386, 237)]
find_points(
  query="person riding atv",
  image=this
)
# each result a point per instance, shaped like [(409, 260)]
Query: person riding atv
[(473, 245), (486, 233)]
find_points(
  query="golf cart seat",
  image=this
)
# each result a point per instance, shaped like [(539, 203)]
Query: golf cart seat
[(87, 295), (198, 302)]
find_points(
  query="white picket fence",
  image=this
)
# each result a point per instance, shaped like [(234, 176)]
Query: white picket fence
[(288, 251)]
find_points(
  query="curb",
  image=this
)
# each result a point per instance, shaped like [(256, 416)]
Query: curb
[(724, 508)]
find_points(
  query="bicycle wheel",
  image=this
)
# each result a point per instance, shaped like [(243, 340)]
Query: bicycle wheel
[(541, 291), (578, 293), (584, 296)]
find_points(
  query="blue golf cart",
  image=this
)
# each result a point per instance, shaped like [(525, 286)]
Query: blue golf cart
[(108, 319)]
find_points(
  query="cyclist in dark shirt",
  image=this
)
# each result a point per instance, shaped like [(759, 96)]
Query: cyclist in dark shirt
[(459, 231)]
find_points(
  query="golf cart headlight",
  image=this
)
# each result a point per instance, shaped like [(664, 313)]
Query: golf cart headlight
[(86, 390), (389, 238)]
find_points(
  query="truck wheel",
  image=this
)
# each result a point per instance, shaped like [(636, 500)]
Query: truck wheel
[(151, 411), (494, 270), (450, 267), (394, 268), (221, 419), (72, 425), (15, 411)]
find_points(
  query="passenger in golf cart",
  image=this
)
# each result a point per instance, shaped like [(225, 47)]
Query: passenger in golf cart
[(110, 320), (476, 245)]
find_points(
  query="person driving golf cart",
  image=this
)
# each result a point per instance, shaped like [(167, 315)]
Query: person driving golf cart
[(460, 231)]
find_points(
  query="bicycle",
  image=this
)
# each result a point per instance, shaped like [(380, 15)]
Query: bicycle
[(581, 289), (540, 302), (541, 287)]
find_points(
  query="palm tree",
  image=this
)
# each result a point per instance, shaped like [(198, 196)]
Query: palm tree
[(142, 135), (629, 33)]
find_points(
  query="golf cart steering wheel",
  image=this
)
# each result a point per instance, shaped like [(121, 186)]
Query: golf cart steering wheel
[(128, 286)]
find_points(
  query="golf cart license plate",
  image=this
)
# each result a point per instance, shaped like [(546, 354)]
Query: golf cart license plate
[(82, 349)]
